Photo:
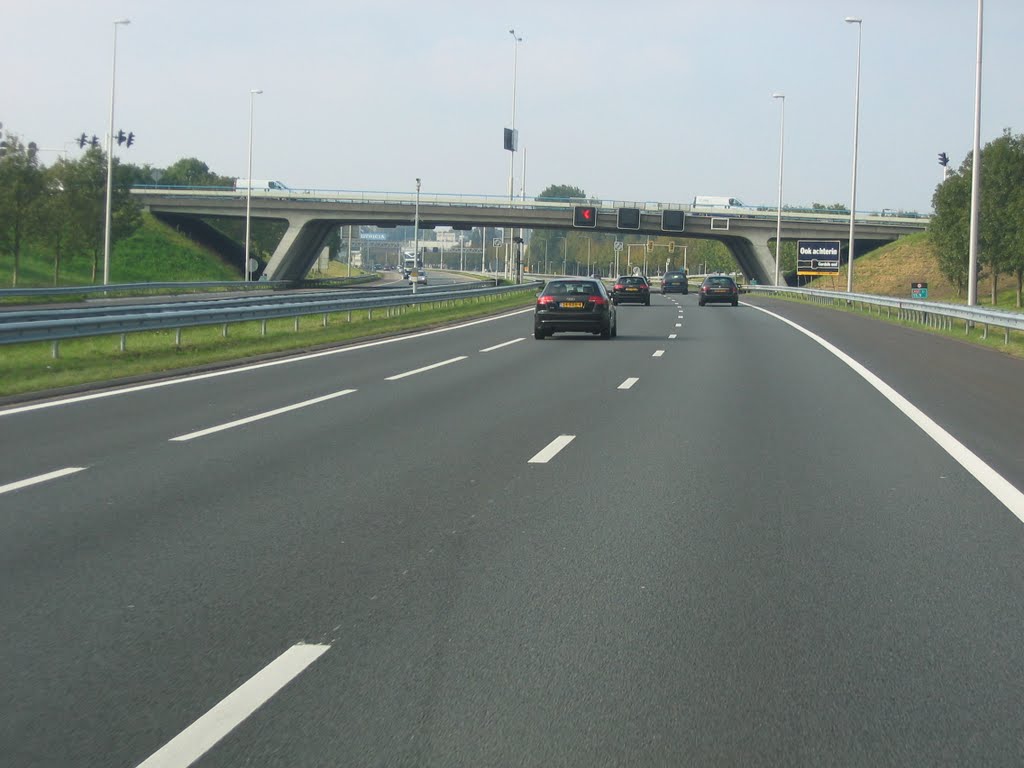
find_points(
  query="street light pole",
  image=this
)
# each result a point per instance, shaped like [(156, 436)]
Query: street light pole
[(248, 189), (108, 215), (972, 259), (416, 240), (516, 40), (778, 222), (856, 136)]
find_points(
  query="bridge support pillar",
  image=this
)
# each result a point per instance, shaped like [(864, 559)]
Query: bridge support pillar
[(754, 257), (299, 248)]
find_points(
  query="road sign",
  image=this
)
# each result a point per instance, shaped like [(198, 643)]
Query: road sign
[(584, 216), (628, 218), (618, 245), (817, 257), (919, 290), (636, 271), (497, 241), (673, 221)]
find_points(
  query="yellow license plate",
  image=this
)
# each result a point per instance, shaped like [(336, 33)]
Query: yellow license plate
[(634, 290), (572, 305)]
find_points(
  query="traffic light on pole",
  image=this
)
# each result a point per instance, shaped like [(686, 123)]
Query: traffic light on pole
[(943, 159), (131, 138), (94, 142), (584, 216), (120, 138), (82, 141)]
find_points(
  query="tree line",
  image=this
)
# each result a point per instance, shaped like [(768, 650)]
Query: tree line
[(1001, 216)]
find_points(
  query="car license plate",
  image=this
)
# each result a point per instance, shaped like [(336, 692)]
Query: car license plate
[(633, 290), (572, 305)]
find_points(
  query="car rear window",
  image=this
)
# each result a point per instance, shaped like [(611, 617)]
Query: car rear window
[(674, 275), (720, 281), (583, 288), (633, 281)]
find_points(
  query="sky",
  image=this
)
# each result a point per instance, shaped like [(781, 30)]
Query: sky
[(642, 101)]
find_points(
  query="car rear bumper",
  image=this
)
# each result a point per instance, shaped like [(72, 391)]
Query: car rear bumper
[(637, 298)]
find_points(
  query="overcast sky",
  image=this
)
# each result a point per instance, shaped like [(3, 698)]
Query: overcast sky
[(635, 101)]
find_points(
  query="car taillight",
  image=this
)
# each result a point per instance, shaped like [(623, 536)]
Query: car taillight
[(618, 286), (703, 289), (598, 300), (545, 300)]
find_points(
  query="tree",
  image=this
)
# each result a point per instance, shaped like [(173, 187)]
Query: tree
[(192, 172), (21, 185)]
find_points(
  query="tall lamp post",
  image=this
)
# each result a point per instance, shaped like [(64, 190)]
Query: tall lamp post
[(248, 190), (972, 258), (856, 136), (778, 221), (416, 239), (108, 215), (516, 40)]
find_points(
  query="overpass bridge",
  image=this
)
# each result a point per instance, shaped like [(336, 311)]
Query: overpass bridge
[(313, 214)]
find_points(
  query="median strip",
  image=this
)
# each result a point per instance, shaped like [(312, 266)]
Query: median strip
[(398, 376), (39, 479), (259, 416), (196, 740), (552, 449)]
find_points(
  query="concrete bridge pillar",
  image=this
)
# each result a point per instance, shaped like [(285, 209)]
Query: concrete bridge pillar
[(299, 248), (754, 257)]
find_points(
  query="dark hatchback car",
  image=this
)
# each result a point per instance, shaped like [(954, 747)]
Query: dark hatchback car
[(719, 289), (675, 282), (574, 305), (633, 288)]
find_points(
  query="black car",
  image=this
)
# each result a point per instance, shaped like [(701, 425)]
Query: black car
[(580, 304), (719, 289), (634, 288), (675, 281)]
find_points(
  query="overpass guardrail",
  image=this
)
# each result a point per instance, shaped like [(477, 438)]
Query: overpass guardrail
[(931, 314), (59, 328)]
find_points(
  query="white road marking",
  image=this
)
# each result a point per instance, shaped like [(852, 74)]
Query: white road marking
[(659, 353), (552, 449), (398, 376), (504, 344), (194, 742), (996, 484), (253, 367), (39, 479), (259, 416), (679, 325), (672, 335), (628, 383)]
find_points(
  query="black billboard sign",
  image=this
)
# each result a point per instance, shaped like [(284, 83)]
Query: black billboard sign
[(817, 257)]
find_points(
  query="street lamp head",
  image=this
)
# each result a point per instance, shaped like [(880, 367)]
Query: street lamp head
[(853, 20), (779, 96), (256, 90), (122, 21)]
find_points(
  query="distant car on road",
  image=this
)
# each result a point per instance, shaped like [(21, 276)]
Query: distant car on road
[(675, 281), (632, 288), (719, 289), (580, 304), (420, 279)]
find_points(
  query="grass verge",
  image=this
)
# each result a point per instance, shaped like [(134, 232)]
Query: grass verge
[(31, 367)]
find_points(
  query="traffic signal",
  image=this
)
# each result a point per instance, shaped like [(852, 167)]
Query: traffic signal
[(120, 138), (94, 142), (628, 218), (672, 221), (584, 216), (131, 139), (943, 159), (82, 141)]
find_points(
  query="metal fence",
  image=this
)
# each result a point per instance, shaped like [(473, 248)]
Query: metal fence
[(927, 313)]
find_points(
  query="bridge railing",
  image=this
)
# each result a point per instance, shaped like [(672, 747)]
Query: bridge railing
[(930, 314), (57, 328)]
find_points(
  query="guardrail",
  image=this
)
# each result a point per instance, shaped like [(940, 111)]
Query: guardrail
[(930, 314), (75, 290), (57, 329)]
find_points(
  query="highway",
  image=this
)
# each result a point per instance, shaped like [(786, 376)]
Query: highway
[(709, 541)]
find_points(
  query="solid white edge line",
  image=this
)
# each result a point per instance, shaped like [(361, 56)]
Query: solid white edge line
[(259, 416), (503, 344), (39, 479), (658, 353), (551, 449), (196, 740), (253, 367), (398, 376), (628, 383), (995, 483)]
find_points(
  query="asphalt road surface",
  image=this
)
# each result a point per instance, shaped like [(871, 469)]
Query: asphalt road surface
[(709, 541)]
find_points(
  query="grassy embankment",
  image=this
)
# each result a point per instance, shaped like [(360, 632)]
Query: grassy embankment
[(889, 271), (157, 253)]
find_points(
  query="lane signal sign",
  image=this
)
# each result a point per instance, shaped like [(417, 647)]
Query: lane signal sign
[(584, 216), (628, 218), (673, 221)]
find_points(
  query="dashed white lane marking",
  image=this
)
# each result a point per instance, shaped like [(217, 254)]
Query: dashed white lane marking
[(628, 383), (192, 743), (503, 344), (552, 449), (659, 353), (253, 367), (259, 416), (398, 376), (679, 325), (672, 335), (39, 479), (995, 483)]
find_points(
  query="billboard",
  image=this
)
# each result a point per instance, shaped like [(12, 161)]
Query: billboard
[(817, 257)]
